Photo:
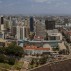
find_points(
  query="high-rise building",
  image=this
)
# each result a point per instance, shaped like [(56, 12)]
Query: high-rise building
[(49, 24), (27, 27), (2, 25), (6, 25), (39, 29), (31, 24), (2, 20), (27, 30), (13, 31), (13, 27), (21, 32)]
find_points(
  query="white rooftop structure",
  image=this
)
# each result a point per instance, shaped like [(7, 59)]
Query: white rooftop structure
[(52, 31), (47, 46)]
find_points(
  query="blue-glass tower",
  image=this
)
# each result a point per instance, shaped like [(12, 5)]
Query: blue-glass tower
[(31, 24)]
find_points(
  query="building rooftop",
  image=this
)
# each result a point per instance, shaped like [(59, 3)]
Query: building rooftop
[(32, 47), (49, 41)]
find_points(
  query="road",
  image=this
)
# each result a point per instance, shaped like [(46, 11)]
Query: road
[(25, 66), (26, 61)]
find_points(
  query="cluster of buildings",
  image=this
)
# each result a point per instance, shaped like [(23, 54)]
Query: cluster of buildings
[(66, 31), (35, 34)]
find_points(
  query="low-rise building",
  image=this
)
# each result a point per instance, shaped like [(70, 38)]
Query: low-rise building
[(54, 35), (32, 50)]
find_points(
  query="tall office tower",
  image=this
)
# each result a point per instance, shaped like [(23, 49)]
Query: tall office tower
[(10, 22), (18, 32), (21, 32), (31, 24), (27, 32), (13, 31), (2, 20), (26, 22), (49, 24), (13, 27), (2, 25), (40, 29), (27, 27), (6, 25)]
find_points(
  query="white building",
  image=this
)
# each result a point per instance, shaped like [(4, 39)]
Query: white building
[(20, 32), (54, 35)]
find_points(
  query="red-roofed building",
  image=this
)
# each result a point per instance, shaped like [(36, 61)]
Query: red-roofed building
[(38, 38), (36, 50)]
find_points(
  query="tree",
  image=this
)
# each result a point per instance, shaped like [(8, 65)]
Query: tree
[(2, 58), (19, 51), (14, 50), (42, 60), (32, 62), (2, 50), (11, 61), (11, 53), (31, 35)]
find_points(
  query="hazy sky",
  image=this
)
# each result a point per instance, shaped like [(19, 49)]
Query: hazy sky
[(35, 6)]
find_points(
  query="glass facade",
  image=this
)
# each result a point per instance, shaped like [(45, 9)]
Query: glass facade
[(31, 24)]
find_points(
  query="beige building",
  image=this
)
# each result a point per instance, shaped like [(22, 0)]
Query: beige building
[(54, 35)]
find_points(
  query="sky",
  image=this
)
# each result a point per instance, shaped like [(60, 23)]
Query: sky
[(35, 7)]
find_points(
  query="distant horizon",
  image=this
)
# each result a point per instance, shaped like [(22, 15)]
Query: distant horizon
[(36, 7), (37, 14)]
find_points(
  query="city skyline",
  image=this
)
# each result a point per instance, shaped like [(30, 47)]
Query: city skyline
[(30, 7)]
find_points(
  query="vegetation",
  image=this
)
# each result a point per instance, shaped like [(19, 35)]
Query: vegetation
[(11, 61), (35, 62), (14, 50), (56, 49), (2, 58), (18, 65), (43, 60), (5, 66), (65, 52), (31, 35), (10, 54)]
